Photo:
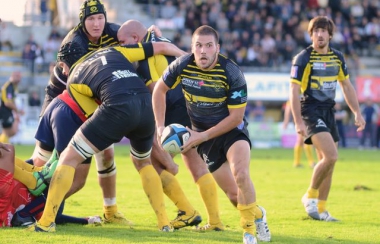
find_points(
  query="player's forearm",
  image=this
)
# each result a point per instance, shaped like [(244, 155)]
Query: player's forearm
[(295, 104), (167, 48), (349, 94), (11, 105), (224, 126), (159, 107)]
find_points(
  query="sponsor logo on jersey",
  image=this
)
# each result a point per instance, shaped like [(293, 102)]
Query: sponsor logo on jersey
[(119, 74), (329, 85), (294, 71), (193, 83), (237, 94), (319, 66)]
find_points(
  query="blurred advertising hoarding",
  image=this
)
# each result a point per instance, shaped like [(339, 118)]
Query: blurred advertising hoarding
[(368, 87), (273, 87)]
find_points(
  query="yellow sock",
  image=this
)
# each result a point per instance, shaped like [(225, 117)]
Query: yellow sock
[(60, 184), (297, 155), (25, 166), (25, 177), (207, 188), (110, 211), (247, 217), (152, 185), (4, 138), (258, 212), (321, 206), (173, 190), (308, 149), (312, 193)]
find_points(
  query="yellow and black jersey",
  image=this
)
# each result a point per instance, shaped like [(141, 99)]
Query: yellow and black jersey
[(318, 75), (107, 76), (8, 92), (77, 34), (151, 69), (208, 94)]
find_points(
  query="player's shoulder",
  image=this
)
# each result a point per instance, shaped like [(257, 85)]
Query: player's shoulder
[(111, 28), (184, 60), (337, 52), (224, 61), (303, 56), (76, 35)]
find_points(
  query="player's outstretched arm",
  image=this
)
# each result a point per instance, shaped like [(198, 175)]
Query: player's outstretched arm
[(167, 48)]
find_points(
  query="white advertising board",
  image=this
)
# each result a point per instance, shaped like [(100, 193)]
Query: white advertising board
[(273, 87)]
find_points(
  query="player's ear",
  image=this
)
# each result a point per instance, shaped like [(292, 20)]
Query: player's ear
[(61, 64)]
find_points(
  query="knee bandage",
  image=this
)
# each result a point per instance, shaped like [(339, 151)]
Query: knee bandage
[(140, 156), (105, 167), (82, 147), (41, 154)]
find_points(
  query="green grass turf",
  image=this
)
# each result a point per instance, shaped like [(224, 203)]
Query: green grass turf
[(279, 189)]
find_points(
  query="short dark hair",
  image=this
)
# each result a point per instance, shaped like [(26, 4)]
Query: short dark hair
[(321, 22), (205, 30)]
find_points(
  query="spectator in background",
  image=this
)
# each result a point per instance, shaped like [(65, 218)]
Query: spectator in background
[(168, 10), (34, 99), (369, 112), (29, 53), (258, 111), (340, 116), (44, 10), (5, 38)]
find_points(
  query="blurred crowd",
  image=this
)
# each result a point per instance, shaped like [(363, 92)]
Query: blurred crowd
[(267, 33), (254, 33)]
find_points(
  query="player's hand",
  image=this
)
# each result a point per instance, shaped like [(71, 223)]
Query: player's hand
[(3, 147), (156, 30), (195, 139), (172, 168), (359, 122), (301, 129)]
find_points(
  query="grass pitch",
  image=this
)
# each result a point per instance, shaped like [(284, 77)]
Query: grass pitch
[(354, 199)]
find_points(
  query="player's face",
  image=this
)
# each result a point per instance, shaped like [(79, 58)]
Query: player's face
[(126, 38), (205, 50), (320, 38), (65, 68), (95, 25)]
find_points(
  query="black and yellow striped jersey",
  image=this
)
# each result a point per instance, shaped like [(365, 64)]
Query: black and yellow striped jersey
[(208, 94), (318, 75), (77, 34), (8, 92), (99, 77), (152, 68)]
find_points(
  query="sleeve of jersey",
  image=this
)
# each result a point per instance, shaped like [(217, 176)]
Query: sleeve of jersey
[(343, 71), (8, 94), (297, 69), (136, 52), (237, 92), (4, 91), (171, 75), (149, 69)]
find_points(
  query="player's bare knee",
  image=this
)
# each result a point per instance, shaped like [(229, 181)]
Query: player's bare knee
[(241, 177)]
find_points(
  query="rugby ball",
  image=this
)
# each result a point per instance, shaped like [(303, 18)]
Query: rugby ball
[(173, 137)]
